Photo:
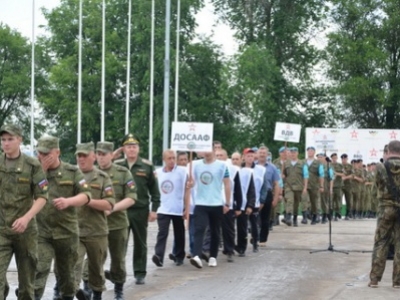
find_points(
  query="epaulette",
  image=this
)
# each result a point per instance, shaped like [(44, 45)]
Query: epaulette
[(147, 162), (33, 161), (102, 173), (70, 167), (119, 161), (121, 168)]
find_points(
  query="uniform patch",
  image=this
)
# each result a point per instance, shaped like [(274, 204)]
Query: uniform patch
[(130, 184), (167, 187), (108, 190), (23, 180), (83, 183), (206, 178), (141, 174), (44, 185), (66, 182), (95, 186)]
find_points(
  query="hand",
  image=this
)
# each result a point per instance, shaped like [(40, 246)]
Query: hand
[(46, 162), (238, 213), (152, 216), (107, 212), (117, 153), (189, 184), (225, 209), (20, 224), (261, 207), (304, 192), (61, 203), (249, 210), (275, 203), (321, 189), (185, 214)]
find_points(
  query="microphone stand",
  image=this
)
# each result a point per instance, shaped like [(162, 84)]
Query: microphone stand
[(327, 177)]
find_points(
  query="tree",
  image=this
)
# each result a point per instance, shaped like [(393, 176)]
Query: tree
[(364, 60)]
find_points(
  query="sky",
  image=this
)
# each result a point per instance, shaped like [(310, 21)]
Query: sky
[(18, 15)]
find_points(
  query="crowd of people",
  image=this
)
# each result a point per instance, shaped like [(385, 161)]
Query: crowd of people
[(81, 213)]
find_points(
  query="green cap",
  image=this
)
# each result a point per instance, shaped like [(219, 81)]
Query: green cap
[(46, 143), (84, 148), (130, 139), (11, 129), (105, 147)]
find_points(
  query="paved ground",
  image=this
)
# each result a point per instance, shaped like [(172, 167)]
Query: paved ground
[(285, 269)]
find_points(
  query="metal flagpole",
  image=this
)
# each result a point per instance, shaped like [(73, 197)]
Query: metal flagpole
[(33, 78), (103, 70), (153, 17), (178, 28), (80, 73), (166, 74), (128, 67)]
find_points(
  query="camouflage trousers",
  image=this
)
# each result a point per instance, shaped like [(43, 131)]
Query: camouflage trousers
[(65, 252), (293, 200), (387, 230), (337, 199), (24, 247)]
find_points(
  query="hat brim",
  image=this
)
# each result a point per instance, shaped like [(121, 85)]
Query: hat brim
[(103, 151), (86, 152), (43, 150), (10, 132)]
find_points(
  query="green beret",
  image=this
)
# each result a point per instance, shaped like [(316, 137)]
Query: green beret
[(11, 129), (105, 147), (46, 143), (84, 148)]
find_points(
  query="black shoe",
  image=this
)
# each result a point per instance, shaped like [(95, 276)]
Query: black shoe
[(242, 254), (323, 219), (295, 221), (255, 248), (157, 261), (179, 262), (119, 291), (336, 217), (86, 288), (288, 220), (304, 221), (16, 292), (318, 219), (139, 280), (204, 256), (230, 258), (314, 219), (82, 295), (172, 257)]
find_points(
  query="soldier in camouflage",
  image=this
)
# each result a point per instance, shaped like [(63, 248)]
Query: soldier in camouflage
[(337, 186), (21, 181), (388, 225), (58, 220), (347, 186)]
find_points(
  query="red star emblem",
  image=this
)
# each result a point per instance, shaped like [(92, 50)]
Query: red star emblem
[(393, 135), (192, 127), (287, 127), (373, 152), (354, 134), (315, 132)]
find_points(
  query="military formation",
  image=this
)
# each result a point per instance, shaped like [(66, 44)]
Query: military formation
[(76, 215)]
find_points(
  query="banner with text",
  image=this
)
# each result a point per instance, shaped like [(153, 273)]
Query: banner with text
[(287, 132), (186, 136)]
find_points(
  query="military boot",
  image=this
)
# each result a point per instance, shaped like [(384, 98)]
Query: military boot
[(295, 221), (271, 225), (314, 219), (56, 291), (323, 219), (288, 220), (67, 298), (276, 220), (318, 219), (97, 295), (119, 291), (82, 295), (87, 289), (304, 221)]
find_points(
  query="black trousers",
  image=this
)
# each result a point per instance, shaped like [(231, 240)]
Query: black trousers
[(179, 235), (254, 219), (241, 231), (207, 216), (265, 213), (228, 232)]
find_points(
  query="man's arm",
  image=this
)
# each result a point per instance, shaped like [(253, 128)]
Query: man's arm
[(237, 194), (21, 224), (251, 196), (227, 189)]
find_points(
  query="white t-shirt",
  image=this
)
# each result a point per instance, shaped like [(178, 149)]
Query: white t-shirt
[(245, 179), (258, 176)]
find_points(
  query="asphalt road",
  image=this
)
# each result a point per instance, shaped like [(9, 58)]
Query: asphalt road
[(284, 269)]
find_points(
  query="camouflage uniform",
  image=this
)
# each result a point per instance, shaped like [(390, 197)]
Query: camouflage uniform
[(337, 188), (93, 229), (388, 224), (21, 180), (347, 189), (356, 191), (58, 229)]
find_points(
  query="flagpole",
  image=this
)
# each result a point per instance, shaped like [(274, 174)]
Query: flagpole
[(151, 113), (166, 74), (128, 67), (33, 77), (80, 73), (103, 70), (178, 25)]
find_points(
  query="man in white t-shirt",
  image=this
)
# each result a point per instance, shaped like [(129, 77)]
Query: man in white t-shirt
[(174, 207)]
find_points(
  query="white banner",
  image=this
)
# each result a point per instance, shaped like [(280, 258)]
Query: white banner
[(187, 136), (287, 132), (366, 144)]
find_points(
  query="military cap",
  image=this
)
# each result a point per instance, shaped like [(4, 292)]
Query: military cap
[(294, 149), (46, 143), (353, 161), (282, 149), (248, 150), (84, 148), (105, 147), (333, 155), (11, 129), (130, 139), (311, 148), (321, 154), (344, 155)]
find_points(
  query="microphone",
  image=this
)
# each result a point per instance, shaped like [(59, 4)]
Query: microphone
[(328, 159), (381, 160)]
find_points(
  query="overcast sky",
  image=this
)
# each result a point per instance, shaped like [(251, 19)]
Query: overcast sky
[(18, 15)]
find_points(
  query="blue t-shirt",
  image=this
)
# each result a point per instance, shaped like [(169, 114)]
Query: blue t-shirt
[(209, 179)]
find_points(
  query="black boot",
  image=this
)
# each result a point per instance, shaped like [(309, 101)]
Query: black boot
[(318, 219), (82, 295), (309, 215), (67, 298), (354, 214), (304, 221), (97, 295), (336, 217), (314, 219), (295, 221), (56, 291), (288, 220), (323, 219), (118, 291), (271, 225), (87, 289)]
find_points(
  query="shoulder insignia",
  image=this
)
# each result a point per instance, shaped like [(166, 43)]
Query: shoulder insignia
[(120, 161), (121, 168), (147, 162), (32, 161), (71, 167), (102, 173)]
